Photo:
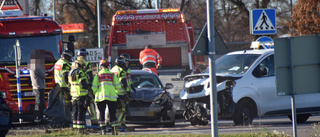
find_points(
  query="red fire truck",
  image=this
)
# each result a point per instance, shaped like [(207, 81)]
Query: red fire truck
[(165, 29), (32, 32)]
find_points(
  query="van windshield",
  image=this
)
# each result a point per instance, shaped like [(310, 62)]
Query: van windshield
[(235, 64)]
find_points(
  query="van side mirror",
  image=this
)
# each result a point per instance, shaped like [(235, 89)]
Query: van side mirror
[(259, 71)]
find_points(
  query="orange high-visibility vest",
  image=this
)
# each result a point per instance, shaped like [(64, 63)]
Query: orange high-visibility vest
[(150, 55)]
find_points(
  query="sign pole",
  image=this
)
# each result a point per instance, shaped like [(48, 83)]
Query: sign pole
[(293, 102), (54, 10), (17, 59), (99, 23), (212, 74)]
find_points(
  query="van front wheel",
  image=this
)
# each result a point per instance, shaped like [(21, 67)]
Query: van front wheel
[(244, 113)]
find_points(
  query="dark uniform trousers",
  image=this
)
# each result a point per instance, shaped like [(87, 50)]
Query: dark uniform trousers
[(112, 110), (79, 112)]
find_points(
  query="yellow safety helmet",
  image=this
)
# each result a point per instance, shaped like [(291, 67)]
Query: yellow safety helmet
[(79, 63)]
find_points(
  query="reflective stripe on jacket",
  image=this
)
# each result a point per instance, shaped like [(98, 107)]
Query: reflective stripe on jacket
[(121, 74), (104, 86), (76, 89), (150, 55), (60, 67)]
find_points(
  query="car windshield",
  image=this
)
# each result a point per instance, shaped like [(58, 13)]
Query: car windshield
[(145, 81), (234, 64), (48, 43)]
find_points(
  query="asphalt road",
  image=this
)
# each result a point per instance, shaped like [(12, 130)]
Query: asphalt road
[(279, 125)]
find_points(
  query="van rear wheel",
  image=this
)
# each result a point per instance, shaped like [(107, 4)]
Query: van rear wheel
[(301, 118)]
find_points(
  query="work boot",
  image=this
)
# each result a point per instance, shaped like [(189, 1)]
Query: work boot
[(103, 130), (76, 130), (114, 131)]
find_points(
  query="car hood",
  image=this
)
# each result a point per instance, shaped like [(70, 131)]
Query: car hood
[(147, 95), (220, 77), (203, 79)]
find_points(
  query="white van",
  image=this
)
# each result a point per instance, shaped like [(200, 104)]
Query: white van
[(246, 89)]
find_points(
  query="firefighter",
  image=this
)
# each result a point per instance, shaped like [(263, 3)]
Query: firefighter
[(126, 69), (150, 59), (82, 54), (122, 70), (78, 87), (104, 87), (61, 70)]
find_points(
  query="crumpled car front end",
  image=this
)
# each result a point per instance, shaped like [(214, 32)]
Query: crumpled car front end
[(196, 95), (151, 106)]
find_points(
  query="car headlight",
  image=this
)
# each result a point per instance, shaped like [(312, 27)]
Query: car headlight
[(157, 101), (162, 98)]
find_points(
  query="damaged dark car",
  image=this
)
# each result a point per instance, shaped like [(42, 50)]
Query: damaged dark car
[(151, 103)]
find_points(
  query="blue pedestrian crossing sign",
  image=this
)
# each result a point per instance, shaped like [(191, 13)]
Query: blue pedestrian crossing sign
[(263, 21)]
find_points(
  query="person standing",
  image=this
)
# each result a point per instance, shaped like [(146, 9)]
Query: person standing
[(150, 59), (82, 54), (122, 70), (126, 69), (38, 80), (78, 81), (104, 87), (61, 70)]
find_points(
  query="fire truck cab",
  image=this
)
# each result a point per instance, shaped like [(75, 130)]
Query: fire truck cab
[(32, 32)]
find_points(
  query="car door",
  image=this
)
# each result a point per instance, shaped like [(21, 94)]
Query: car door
[(268, 101)]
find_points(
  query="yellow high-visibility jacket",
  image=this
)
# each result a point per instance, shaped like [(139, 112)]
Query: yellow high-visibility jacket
[(104, 86), (122, 74), (61, 67)]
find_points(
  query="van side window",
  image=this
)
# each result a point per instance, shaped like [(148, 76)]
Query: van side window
[(268, 63)]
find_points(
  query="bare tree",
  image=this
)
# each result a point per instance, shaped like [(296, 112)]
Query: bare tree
[(282, 8), (84, 11), (231, 16), (37, 6)]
